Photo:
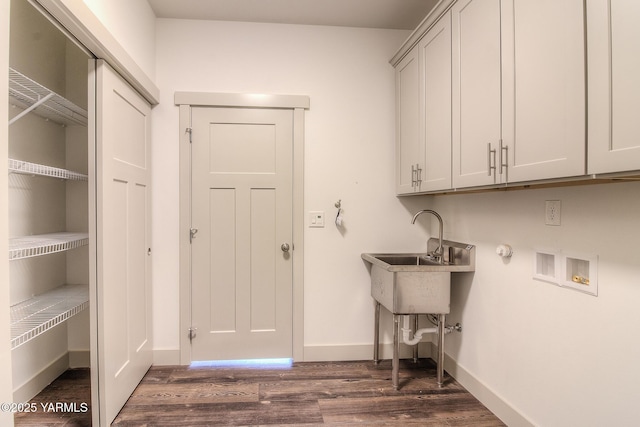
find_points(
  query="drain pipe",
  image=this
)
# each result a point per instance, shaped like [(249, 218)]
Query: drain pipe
[(417, 336)]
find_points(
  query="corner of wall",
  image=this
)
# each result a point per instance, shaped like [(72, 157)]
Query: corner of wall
[(166, 357), (494, 402)]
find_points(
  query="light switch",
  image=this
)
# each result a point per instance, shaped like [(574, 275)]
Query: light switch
[(316, 219)]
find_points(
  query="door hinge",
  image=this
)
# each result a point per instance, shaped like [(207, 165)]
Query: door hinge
[(192, 333), (190, 132), (192, 234)]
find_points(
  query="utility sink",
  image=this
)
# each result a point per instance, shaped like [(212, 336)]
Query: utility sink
[(412, 283)]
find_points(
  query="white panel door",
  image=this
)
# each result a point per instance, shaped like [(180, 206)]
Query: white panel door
[(242, 208), (544, 98), (476, 89), (123, 130), (614, 85)]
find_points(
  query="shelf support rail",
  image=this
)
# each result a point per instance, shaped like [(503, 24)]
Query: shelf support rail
[(38, 103)]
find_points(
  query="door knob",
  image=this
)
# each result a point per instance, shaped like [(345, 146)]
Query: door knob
[(284, 247)]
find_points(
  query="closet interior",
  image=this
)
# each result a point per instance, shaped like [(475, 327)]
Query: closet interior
[(48, 201)]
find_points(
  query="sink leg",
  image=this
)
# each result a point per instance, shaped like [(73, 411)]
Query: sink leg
[(376, 335), (440, 362), (395, 363), (415, 347)]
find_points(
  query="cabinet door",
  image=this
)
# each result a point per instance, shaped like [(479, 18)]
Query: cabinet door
[(123, 190), (614, 85), (543, 85), (409, 143), (435, 57), (476, 89)]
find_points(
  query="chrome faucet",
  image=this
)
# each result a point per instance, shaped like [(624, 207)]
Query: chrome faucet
[(439, 252)]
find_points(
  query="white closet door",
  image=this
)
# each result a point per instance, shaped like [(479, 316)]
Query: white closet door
[(123, 177)]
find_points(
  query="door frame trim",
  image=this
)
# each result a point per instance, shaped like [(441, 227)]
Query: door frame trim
[(297, 103)]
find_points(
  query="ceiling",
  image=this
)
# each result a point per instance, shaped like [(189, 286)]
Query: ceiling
[(389, 14)]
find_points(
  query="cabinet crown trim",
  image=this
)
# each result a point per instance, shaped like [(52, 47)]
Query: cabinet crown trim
[(436, 13)]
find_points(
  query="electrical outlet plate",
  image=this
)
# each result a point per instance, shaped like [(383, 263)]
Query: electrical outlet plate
[(316, 219), (552, 212)]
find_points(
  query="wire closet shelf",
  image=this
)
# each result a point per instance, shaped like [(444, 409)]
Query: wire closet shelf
[(44, 244), (32, 96), (37, 315), (27, 168)]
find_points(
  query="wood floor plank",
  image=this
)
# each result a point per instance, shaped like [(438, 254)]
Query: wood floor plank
[(299, 371), (227, 414), (182, 393), (319, 389), (437, 409)]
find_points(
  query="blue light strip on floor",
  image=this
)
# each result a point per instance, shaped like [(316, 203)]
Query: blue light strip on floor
[(244, 363)]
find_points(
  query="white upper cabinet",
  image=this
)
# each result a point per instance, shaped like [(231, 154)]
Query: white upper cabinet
[(513, 75), (409, 145), (519, 91), (476, 91), (435, 60), (614, 85), (423, 108), (543, 84)]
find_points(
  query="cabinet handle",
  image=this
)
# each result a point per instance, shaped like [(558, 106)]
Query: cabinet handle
[(414, 173), (503, 161), (489, 152), (419, 175)]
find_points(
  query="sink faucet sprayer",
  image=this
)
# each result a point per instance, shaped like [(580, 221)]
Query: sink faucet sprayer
[(439, 252)]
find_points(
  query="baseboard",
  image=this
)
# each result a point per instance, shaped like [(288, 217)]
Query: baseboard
[(40, 380), (494, 402), (336, 353), (166, 357)]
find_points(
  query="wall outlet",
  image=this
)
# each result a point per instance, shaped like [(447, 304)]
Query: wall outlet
[(316, 219), (552, 212)]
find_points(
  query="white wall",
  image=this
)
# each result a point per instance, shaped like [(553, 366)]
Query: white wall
[(132, 24), (560, 357), (349, 134)]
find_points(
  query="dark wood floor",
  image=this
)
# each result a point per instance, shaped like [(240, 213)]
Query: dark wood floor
[(73, 387), (307, 394)]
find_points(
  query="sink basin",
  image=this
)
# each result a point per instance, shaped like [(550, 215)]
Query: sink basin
[(410, 283), (404, 259), (457, 257)]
